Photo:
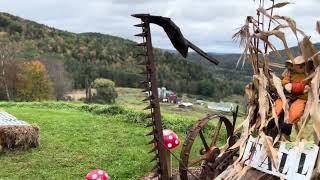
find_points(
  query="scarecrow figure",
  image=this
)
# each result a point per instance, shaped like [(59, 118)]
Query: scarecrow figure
[(296, 89)]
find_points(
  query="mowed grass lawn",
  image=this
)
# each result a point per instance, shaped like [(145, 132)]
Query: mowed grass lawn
[(77, 138), (75, 142)]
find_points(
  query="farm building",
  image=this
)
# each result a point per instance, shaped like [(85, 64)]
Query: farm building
[(185, 105), (167, 95), (222, 106)]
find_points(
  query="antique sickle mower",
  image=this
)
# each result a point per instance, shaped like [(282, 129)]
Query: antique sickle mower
[(213, 164)]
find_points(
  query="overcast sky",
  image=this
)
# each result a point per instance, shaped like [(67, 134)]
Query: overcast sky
[(208, 23)]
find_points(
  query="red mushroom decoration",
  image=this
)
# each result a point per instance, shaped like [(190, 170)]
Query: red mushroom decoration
[(171, 139), (97, 175)]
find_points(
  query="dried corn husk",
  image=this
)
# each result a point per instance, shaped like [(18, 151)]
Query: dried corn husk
[(243, 171), (276, 120), (278, 85), (236, 169), (264, 37), (270, 150), (266, 65), (316, 170), (282, 26), (278, 5), (225, 174), (277, 65), (311, 109), (244, 54), (281, 36), (309, 51), (264, 12), (245, 125), (263, 101), (243, 34), (315, 115), (291, 23), (260, 81), (254, 61)]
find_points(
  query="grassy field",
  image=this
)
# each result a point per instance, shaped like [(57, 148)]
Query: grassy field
[(73, 142), (132, 98), (76, 138)]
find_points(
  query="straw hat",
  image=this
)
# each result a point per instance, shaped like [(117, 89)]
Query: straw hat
[(296, 60)]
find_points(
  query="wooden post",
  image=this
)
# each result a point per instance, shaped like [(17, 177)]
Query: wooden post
[(169, 162)]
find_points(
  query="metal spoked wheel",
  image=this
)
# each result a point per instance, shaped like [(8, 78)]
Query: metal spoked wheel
[(210, 142)]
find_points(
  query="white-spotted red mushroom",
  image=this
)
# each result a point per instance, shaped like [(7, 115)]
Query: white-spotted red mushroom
[(97, 174), (171, 139)]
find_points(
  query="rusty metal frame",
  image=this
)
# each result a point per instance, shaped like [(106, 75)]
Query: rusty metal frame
[(151, 83)]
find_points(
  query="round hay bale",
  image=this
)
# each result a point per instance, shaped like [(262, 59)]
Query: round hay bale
[(19, 137)]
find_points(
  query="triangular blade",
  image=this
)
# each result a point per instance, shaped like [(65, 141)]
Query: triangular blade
[(149, 125), (143, 73), (141, 35), (145, 91), (155, 158), (145, 83), (140, 54), (140, 15), (152, 141), (148, 107), (140, 25), (149, 116), (151, 133), (147, 99), (154, 149), (142, 63), (142, 44)]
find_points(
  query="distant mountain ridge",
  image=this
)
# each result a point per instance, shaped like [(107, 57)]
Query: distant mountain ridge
[(228, 61), (91, 55)]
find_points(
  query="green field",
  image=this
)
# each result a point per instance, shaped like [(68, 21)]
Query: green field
[(76, 137), (132, 98), (73, 142)]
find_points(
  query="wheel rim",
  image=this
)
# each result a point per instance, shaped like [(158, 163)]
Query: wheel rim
[(208, 150)]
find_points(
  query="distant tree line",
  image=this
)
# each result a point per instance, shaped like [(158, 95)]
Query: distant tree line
[(74, 61), (29, 80)]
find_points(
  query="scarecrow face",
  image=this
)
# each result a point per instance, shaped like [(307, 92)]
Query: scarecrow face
[(298, 68)]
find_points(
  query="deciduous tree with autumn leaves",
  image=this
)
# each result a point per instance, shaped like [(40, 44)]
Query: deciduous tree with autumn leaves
[(33, 82)]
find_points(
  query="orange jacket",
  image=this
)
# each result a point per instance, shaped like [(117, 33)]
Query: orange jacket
[(291, 77)]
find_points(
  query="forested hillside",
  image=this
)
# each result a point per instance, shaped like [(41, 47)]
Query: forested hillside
[(87, 56)]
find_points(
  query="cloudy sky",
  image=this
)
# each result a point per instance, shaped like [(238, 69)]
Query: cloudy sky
[(208, 23)]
